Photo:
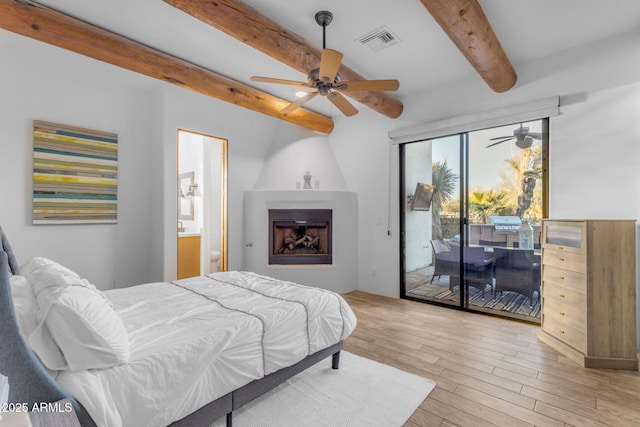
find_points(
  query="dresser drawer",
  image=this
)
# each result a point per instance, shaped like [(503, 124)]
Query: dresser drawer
[(564, 279), (567, 297), (565, 260), (573, 312), (556, 325)]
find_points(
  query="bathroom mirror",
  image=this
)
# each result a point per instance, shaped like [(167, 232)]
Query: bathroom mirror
[(185, 200)]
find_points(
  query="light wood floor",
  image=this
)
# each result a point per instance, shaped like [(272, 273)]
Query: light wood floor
[(489, 371)]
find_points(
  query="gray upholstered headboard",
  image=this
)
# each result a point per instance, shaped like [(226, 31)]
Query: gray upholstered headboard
[(29, 382)]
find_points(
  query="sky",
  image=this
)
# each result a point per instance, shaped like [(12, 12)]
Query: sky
[(486, 164)]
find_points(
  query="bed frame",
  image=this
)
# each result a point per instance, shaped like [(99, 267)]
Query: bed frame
[(30, 383)]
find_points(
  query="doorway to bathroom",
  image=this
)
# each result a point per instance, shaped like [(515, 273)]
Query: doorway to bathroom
[(202, 204)]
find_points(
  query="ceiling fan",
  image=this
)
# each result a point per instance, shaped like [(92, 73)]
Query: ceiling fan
[(523, 138), (326, 81)]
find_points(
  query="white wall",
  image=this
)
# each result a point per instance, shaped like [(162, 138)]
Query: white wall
[(247, 148), (294, 152), (595, 156), (38, 81), (418, 168), (370, 168)]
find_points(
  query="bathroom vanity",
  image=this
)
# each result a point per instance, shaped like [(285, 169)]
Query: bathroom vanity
[(188, 255)]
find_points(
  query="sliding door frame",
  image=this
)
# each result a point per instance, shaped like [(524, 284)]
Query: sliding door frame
[(463, 225)]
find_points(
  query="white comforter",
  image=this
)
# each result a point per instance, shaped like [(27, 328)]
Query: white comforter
[(195, 340)]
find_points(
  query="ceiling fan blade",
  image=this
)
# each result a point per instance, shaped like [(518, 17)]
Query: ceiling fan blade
[(302, 85), (368, 85), (496, 143), (535, 135), (500, 137), (343, 105), (298, 103), (329, 65)]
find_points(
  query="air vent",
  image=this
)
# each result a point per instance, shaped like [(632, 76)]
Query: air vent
[(378, 39)]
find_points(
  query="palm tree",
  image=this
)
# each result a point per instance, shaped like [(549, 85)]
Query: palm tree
[(444, 181), (526, 170), (483, 203)]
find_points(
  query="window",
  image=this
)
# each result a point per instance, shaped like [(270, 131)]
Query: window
[(484, 218)]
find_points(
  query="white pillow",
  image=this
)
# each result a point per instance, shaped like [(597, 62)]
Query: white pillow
[(24, 304), (47, 278), (79, 330), (36, 265), (77, 327)]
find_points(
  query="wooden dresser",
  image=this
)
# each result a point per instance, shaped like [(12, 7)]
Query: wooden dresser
[(589, 291)]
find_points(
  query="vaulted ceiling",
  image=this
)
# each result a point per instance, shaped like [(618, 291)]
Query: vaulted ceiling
[(214, 47)]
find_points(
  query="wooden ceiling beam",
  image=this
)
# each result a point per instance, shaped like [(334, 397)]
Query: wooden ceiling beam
[(50, 26), (247, 25), (467, 26)]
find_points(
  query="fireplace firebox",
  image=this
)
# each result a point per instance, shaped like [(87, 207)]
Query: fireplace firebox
[(300, 236)]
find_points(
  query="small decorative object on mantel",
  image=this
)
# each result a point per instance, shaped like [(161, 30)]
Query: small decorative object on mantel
[(307, 180), (75, 175)]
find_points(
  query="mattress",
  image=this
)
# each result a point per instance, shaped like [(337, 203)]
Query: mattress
[(195, 340)]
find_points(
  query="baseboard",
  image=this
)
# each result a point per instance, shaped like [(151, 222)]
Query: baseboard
[(611, 363), (588, 361)]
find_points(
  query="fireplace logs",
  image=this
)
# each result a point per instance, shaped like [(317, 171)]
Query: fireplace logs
[(299, 242), (300, 236)]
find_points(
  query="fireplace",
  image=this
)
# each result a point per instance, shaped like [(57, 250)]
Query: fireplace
[(300, 236)]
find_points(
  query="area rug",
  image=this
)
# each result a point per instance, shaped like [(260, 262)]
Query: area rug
[(362, 393)]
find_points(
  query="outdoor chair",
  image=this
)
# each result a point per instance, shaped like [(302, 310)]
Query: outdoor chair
[(516, 270), (440, 254), (478, 268)]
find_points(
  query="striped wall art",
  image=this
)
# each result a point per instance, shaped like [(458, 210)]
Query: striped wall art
[(75, 175)]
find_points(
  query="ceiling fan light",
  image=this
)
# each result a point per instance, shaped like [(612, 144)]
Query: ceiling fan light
[(326, 80), (525, 142)]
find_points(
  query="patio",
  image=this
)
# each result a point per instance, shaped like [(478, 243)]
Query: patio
[(506, 303)]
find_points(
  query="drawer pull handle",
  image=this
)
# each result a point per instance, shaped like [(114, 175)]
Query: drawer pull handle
[(561, 277), (561, 295), (561, 331), (561, 248), (561, 259), (561, 313)]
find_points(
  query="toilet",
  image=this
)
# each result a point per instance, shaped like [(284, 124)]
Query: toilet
[(214, 258)]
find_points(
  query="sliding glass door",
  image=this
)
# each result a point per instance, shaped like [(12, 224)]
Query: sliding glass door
[(476, 244), (428, 233)]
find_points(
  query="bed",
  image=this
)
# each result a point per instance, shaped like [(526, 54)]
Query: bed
[(181, 353)]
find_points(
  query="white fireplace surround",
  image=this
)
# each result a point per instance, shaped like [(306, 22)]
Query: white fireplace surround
[(341, 275)]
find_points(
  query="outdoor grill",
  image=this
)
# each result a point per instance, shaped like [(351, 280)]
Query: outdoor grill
[(505, 223)]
